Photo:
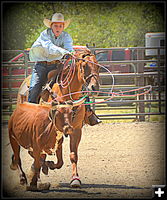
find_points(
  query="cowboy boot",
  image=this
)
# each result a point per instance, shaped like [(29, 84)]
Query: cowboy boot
[(90, 117)]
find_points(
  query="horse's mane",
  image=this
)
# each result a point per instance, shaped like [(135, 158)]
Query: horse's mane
[(83, 53)]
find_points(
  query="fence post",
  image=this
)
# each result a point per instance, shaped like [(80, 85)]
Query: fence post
[(140, 70), (159, 80), (26, 64), (10, 90)]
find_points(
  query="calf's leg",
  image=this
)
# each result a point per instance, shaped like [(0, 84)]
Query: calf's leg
[(59, 155), (42, 163), (16, 161), (36, 174)]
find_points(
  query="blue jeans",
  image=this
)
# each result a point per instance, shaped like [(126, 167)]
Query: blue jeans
[(39, 79)]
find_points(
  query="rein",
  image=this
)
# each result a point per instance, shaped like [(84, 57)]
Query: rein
[(113, 94)]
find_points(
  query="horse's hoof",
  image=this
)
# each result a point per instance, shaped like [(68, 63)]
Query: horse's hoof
[(75, 182), (43, 186)]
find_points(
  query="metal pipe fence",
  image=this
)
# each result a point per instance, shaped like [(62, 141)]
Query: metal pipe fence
[(137, 108)]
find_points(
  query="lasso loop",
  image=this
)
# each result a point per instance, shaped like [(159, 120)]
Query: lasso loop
[(114, 94), (67, 80)]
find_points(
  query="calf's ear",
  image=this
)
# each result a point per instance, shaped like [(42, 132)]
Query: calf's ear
[(54, 103)]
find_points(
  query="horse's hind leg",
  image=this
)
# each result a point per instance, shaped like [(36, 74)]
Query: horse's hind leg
[(16, 161)]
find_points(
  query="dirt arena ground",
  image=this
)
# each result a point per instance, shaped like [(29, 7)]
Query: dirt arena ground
[(118, 160)]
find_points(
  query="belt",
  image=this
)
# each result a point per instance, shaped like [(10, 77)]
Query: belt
[(49, 63)]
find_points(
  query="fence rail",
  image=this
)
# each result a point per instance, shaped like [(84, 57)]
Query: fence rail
[(139, 107)]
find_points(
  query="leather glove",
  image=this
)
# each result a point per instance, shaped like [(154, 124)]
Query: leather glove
[(67, 55)]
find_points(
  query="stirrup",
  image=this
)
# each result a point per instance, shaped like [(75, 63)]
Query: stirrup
[(92, 118)]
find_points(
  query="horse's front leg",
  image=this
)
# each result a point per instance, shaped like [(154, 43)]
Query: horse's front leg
[(74, 143)]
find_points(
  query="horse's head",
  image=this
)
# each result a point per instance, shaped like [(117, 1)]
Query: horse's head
[(90, 71)]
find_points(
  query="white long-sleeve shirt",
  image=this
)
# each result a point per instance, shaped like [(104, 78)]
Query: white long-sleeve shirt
[(48, 48)]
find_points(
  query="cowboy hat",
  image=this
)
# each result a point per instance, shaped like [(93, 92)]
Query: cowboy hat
[(57, 17)]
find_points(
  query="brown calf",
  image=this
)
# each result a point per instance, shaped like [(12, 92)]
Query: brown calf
[(35, 127)]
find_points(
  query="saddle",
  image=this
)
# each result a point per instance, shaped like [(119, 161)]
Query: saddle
[(25, 86)]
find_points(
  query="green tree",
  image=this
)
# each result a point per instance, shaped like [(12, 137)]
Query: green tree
[(107, 24), (129, 23)]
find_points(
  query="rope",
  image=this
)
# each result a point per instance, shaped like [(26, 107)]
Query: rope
[(113, 94), (69, 77)]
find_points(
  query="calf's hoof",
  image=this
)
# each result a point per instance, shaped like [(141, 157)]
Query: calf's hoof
[(40, 187), (31, 188), (23, 180), (45, 169), (44, 186), (53, 166), (75, 182), (50, 164), (13, 166)]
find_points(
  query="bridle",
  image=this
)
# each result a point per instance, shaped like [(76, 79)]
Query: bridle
[(94, 75)]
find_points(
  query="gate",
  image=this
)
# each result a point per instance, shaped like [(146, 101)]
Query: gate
[(142, 71)]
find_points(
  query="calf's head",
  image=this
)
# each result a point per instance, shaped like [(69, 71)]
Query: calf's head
[(61, 114), (63, 117)]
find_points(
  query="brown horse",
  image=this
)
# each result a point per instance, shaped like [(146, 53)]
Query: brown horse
[(85, 73)]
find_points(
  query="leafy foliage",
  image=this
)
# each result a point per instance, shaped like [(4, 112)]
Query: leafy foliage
[(107, 24)]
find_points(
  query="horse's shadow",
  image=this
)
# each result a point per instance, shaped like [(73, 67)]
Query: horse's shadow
[(65, 187)]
